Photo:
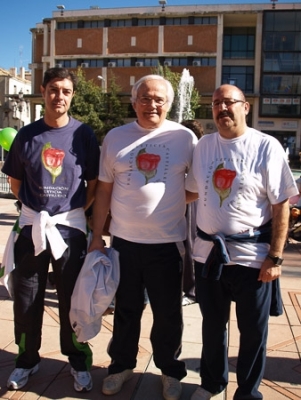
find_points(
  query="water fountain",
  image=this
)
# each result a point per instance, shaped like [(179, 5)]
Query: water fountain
[(186, 84)]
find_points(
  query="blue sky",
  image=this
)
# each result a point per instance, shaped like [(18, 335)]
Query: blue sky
[(17, 17)]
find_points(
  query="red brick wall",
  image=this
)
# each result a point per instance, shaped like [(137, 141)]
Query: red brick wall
[(66, 41), (38, 53), (119, 40), (204, 38)]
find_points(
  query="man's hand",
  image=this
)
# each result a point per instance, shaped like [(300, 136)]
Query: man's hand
[(295, 212), (97, 243), (269, 271)]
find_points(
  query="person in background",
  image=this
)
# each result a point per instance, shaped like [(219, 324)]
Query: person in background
[(141, 179), (243, 182), (296, 203), (52, 165), (188, 274)]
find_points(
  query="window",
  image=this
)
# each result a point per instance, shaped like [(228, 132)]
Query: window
[(75, 63), (179, 62), (151, 62), (94, 24), (148, 22), (239, 43), (281, 84), (282, 21), (280, 106), (289, 62), (121, 22), (205, 20), (68, 63), (67, 25), (207, 61), (204, 112), (123, 62), (242, 75), (196, 61), (177, 21), (96, 63), (282, 41), (281, 64)]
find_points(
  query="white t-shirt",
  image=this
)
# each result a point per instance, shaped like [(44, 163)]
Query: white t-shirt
[(148, 170), (238, 180)]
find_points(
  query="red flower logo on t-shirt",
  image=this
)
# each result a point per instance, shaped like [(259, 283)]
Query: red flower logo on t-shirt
[(52, 160), (147, 164), (222, 181)]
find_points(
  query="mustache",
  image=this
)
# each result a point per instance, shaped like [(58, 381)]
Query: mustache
[(225, 113)]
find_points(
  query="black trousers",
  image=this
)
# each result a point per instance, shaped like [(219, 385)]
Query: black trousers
[(252, 304), (29, 284), (158, 268)]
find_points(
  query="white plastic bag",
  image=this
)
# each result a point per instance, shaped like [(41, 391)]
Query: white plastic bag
[(94, 291)]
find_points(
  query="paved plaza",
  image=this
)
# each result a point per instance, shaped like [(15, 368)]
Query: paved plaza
[(282, 380)]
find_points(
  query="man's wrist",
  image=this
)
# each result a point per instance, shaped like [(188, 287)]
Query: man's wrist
[(277, 260)]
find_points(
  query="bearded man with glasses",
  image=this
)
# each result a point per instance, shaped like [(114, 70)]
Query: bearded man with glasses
[(243, 182)]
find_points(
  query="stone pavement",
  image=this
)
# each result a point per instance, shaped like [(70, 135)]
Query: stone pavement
[(282, 379)]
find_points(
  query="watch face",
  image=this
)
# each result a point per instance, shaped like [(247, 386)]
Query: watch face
[(276, 260)]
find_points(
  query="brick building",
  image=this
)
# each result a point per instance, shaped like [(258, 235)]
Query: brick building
[(254, 46)]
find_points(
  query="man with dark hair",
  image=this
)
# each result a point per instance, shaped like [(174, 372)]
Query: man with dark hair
[(53, 166)]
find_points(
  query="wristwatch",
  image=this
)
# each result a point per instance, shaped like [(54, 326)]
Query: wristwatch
[(276, 260)]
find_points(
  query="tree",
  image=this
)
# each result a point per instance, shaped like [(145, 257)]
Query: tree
[(113, 113), (101, 110), (88, 102), (174, 78)]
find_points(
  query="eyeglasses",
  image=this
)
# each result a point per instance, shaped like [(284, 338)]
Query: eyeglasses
[(146, 101), (227, 102)]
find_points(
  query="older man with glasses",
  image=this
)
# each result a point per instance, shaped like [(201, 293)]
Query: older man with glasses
[(243, 182), (141, 179)]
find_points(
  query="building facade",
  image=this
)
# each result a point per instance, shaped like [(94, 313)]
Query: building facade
[(15, 88), (254, 46)]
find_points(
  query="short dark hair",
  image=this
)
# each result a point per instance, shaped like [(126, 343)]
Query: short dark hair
[(195, 126), (61, 73)]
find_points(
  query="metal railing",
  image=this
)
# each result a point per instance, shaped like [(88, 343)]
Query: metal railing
[(4, 185)]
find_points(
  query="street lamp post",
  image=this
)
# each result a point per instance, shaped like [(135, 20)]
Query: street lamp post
[(163, 4), (103, 80), (62, 8)]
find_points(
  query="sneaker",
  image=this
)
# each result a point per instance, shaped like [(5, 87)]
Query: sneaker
[(19, 377), (82, 380), (201, 394), (172, 388), (113, 383)]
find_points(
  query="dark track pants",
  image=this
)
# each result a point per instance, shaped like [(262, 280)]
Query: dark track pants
[(253, 300), (158, 268), (29, 284)]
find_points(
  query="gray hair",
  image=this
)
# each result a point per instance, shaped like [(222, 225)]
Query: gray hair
[(170, 91)]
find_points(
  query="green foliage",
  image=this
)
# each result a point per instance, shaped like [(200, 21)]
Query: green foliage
[(113, 113), (174, 78), (87, 102), (91, 105)]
